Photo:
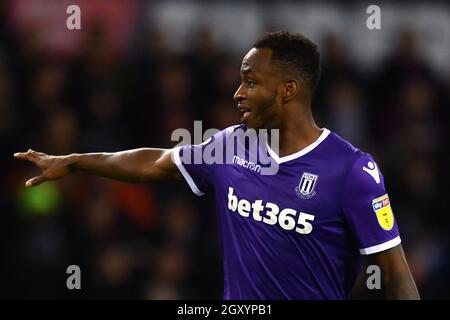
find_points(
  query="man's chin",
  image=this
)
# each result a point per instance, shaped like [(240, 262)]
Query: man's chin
[(251, 124), (245, 121), (248, 124)]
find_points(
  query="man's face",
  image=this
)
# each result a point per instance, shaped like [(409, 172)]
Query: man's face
[(258, 96)]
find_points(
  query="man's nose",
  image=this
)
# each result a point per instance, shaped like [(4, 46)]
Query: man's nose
[(239, 95)]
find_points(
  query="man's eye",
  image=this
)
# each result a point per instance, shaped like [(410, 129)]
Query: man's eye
[(250, 83)]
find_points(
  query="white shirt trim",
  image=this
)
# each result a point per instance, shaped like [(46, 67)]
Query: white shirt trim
[(177, 160), (381, 247), (298, 154)]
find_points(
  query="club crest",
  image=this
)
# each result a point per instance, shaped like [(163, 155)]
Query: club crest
[(305, 188)]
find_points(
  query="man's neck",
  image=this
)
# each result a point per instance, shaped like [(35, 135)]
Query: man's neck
[(297, 131)]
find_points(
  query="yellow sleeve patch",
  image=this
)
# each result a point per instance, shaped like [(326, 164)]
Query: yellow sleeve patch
[(382, 208)]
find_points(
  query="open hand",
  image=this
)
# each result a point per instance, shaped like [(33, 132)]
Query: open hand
[(53, 167)]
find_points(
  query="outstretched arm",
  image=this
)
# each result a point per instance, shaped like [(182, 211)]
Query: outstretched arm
[(137, 165), (397, 279)]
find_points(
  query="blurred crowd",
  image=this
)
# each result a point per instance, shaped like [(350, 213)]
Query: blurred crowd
[(145, 241)]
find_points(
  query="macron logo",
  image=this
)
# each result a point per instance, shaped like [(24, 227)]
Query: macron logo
[(373, 171), (247, 164)]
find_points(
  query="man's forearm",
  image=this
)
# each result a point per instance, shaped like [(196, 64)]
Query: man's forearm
[(398, 282), (401, 287), (137, 165)]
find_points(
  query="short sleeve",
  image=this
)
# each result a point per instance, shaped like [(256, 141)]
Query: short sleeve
[(367, 207), (198, 163)]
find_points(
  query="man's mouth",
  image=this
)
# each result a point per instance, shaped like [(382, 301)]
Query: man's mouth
[(246, 110)]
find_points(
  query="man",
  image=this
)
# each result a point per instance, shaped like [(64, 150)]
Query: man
[(297, 233)]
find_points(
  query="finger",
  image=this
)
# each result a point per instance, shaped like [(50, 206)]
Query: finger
[(20, 155), (25, 156), (30, 155), (34, 154), (36, 181)]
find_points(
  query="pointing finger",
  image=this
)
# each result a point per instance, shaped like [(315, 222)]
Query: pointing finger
[(20, 155), (36, 181), (30, 155)]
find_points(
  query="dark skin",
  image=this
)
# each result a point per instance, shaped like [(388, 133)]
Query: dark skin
[(268, 99), (275, 101), (397, 280)]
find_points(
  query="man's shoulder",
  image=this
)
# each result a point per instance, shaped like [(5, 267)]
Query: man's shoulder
[(359, 165), (231, 130), (218, 136), (235, 128), (344, 149), (342, 146)]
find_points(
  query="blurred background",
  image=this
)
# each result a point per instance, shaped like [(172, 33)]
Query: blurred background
[(137, 70)]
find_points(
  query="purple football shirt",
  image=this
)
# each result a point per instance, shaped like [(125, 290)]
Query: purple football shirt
[(300, 233)]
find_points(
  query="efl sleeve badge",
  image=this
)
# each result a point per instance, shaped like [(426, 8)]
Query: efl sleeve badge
[(382, 208)]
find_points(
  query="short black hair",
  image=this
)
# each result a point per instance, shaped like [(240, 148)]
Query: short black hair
[(296, 55)]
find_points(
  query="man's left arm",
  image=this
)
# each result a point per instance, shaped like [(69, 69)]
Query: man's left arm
[(397, 279), (368, 211)]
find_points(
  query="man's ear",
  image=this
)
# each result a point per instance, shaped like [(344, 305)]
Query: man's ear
[(291, 88)]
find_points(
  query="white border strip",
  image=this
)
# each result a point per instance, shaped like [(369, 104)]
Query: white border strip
[(176, 159), (300, 153), (381, 247)]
